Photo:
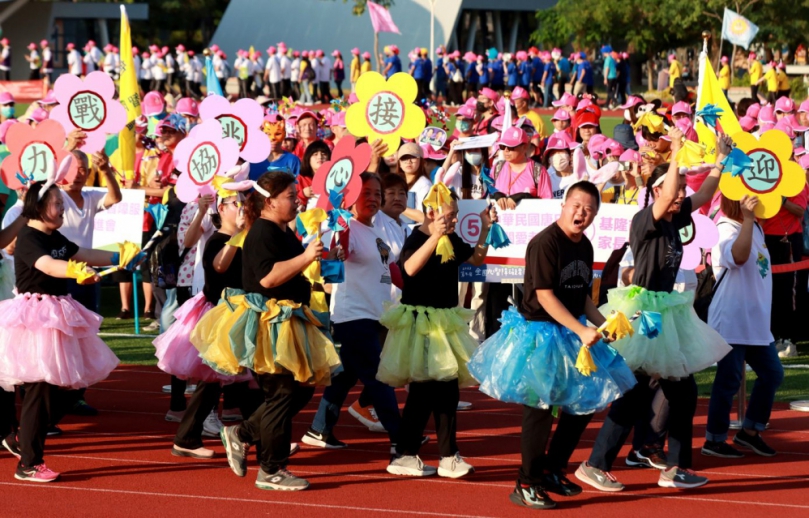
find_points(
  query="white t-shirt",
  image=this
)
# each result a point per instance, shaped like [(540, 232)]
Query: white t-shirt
[(158, 69), (90, 64), (454, 180), (191, 273), (741, 307), (421, 188), (286, 69), (47, 56), (109, 63), (79, 224), (170, 63), (4, 55), (295, 70), (137, 62), (74, 62), (560, 183), (324, 74), (685, 280), (218, 66), (34, 55), (273, 69), (146, 69), (395, 235), (367, 277)]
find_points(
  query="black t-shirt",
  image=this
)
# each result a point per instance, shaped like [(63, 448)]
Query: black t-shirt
[(215, 282), (33, 244), (657, 248), (266, 244), (554, 262), (436, 285)]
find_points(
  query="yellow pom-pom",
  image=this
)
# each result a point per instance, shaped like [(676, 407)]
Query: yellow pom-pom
[(78, 270), (584, 362), (444, 249), (238, 239), (617, 326)]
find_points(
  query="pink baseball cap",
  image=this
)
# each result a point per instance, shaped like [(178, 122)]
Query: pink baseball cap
[(766, 115), (672, 57), (522, 55), (724, 59), (305, 53), (339, 119), (799, 152), (32, 46), (152, 104), (433, 154), (633, 101), (584, 103), (335, 53), (355, 51), (804, 160), (49, 99), (567, 100), (784, 105), (214, 47), (187, 106), (767, 126), (319, 53), (366, 55), (630, 155), (43, 43), (753, 109), (561, 115), (489, 94), (793, 121), (518, 93), (295, 54), (180, 47), (786, 127), (191, 53), (559, 141), (135, 50), (804, 107), (70, 46), (465, 112), (513, 137), (271, 50), (4, 129), (681, 107), (38, 115), (748, 123), (6, 98)]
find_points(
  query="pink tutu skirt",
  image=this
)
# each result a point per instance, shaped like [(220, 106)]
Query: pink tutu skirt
[(177, 355), (51, 339)]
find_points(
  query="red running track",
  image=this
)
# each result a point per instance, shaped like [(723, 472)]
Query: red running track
[(118, 464)]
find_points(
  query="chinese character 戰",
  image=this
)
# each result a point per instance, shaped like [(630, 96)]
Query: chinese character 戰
[(86, 107)]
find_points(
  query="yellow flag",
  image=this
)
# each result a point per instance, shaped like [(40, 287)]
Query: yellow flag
[(129, 96), (711, 93)]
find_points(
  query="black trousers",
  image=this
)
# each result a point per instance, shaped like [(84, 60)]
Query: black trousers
[(286, 87), (275, 90), (783, 250), (8, 414), (271, 424), (439, 398), (206, 399), (536, 429), (651, 429), (43, 403), (325, 92), (624, 413), (754, 92)]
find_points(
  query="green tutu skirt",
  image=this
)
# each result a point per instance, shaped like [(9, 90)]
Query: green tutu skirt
[(684, 345)]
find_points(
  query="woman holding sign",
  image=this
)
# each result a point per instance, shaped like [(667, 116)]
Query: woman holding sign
[(268, 328), (685, 344)]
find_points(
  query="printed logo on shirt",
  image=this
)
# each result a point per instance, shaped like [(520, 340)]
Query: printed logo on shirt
[(58, 254), (763, 265), (576, 269), (384, 255), (674, 254)]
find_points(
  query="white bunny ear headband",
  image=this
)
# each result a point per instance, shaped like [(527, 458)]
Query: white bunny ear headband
[(59, 174)]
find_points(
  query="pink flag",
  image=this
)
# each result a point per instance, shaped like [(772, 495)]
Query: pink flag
[(381, 19)]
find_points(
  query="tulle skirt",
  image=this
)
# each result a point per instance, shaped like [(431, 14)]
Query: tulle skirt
[(426, 344), (247, 331), (178, 356), (534, 364), (53, 340), (685, 344)]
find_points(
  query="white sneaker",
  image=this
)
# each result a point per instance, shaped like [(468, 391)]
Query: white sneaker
[(410, 466), (464, 405), (154, 326), (454, 467), (789, 351), (366, 416), (212, 425), (780, 345)]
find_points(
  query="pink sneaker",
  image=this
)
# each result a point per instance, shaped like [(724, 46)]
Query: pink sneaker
[(39, 473)]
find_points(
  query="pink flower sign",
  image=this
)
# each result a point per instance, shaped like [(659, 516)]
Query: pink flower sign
[(90, 106), (203, 154), (342, 173), (241, 121), (35, 154)]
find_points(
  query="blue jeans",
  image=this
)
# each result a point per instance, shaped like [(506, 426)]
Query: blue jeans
[(546, 102), (359, 353), (769, 372)]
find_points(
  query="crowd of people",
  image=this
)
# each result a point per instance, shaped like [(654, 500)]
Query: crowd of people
[(237, 283)]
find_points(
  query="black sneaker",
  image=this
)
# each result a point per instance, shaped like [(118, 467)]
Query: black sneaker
[(753, 442), (653, 457), (10, 443), (532, 497), (148, 315), (124, 315), (82, 408), (53, 431), (633, 461), (558, 483), (720, 449), (321, 440)]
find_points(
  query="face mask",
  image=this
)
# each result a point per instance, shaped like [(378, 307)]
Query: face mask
[(560, 161), (7, 111), (473, 158), (189, 125), (480, 107), (464, 126)]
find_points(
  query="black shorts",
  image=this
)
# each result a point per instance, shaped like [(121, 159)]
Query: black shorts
[(125, 276), (536, 87)]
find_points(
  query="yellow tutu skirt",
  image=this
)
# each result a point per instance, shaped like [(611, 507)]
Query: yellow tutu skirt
[(267, 336), (426, 344)]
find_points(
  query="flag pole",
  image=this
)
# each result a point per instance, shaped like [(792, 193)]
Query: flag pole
[(376, 51), (706, 35)]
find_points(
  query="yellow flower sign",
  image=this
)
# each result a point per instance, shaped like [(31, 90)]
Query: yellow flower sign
[(385, 110), (771, 175)]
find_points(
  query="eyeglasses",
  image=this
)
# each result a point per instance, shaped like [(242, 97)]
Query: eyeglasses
[(508, 148), (237, 203)]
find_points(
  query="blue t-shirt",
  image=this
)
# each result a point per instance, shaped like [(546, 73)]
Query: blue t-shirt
[(396, 65), (512, 74), (610, 68), (440, 73), (472, 73), (550, 68), (587, 78), (564, 67), (484, 75), (539, 68), (287, 162), (427, 69), (418, 69), (497, 73), (525, 74)]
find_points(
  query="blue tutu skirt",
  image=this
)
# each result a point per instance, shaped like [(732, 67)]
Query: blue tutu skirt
[(534, 364)]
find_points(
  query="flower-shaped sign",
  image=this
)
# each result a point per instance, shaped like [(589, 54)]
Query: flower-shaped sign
[(342, 173), (200, 156), (35, 154), (241, 121), (385, 110), (89, 105), (771, 176), (700, 234)]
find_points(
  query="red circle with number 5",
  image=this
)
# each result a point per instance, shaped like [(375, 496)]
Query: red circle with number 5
[(470, 228)]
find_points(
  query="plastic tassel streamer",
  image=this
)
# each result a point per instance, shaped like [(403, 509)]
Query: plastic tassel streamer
[(238, 239), (78, 270), (333, 271), (737, 163), (127, 253), (616, 326), (710, 114), (488, 181), (650, 324), (691, 154), (584, 362), (651, 121), (497, 237), (439, 196), (308, 223)]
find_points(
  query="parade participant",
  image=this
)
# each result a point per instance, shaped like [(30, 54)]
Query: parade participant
[(771, 78), (755, 70), (524, 69), (496, 71), (532, 359), (295, 75), (278, 160), (783, 80), (34, 62), (483, 71), (324, 77), (74, 60), (307, 80), (171, 68), (516, 177), (338, 72), (5, 59), (558, 162), (413, 169), (465, 122), (292, 351), (583, 80), (548, 77), (742, 256), (685, 344), (366, 63), (610, 76), (724, 76), (306, 125), (272, 73), (47, 61), (441, 77), (357, 305), (43, 323), (428, 342), (7, 104), (537, 72), (520, 98), (560, 121), (286, 70), (354, 73), (317, 154), (393, 65)]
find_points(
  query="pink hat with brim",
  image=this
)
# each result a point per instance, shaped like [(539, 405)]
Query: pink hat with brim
[(4, 128), (6, 98), (489, 94), (366, 55), (48, 100), (559, 142), (431, 154), (567, 100), (38, 115), (519, 93), (187, 106), (681, 107), (513, 137), (584, 103), (804, 160), (784, 105), (799, 152), (152, 104), (753, 109), (766, 115), (465, 112), (561, 115), (804, 107), (633, 101), (338, 119), (521, 55), (355, 51), (630, 155)]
